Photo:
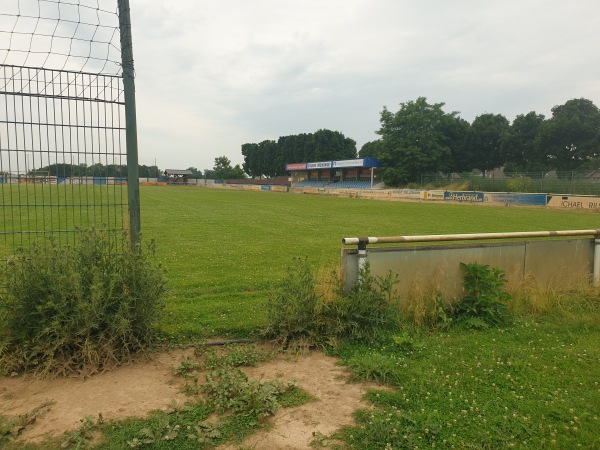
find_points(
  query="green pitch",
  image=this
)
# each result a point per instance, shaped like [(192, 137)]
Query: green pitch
[(222, 248)]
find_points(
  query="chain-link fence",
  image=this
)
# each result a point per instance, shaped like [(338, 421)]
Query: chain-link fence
[(64, 122), (551, 182)]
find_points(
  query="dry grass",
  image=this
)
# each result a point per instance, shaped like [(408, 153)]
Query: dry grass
[(558, 297)]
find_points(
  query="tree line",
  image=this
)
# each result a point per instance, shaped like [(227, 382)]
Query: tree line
[(94, 170), (222, 169), (269, 158), (422, 138)]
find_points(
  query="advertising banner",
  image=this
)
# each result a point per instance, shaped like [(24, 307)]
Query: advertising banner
[(296, 166), (265, 188), (319, 165), (460, 196), (570, 202), (349, 163), (408, 193), (515, 198), (434, 195)]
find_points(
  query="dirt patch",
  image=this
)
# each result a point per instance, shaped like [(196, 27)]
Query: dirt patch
[(126, 391), (336, 400), (135, 390)]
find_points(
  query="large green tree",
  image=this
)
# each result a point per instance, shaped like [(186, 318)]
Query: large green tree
[(571, 137), (269, 158), (370, 149), (520, 146), (332, 145), (222, 169), (252, 160), (196, 174), (418, 138), (484, 141)]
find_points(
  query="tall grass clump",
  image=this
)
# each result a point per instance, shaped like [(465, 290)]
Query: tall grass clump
[(299, 314), (78, 309), (576, 297), (366, 311), (293, 306), (485, 302)]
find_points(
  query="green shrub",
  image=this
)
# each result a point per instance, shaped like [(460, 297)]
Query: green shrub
[(78, 309), (297, 315), (485, 302), (519, 183), (364, 312), (292, 313)]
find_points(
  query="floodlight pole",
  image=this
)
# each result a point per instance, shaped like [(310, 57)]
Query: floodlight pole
[(133, 172)]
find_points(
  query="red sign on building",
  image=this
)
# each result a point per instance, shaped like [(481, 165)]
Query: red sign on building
[(297, 166)]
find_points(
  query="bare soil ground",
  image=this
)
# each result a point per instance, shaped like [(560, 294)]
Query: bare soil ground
[(134, 390)]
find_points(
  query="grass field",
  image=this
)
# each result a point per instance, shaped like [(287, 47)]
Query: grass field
[(223, 248), (534, 384)]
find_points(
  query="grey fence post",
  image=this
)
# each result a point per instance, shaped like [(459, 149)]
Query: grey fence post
[(596, 269), (362, 256), (133, 181)]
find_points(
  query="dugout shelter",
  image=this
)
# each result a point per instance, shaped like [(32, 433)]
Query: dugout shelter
[(178, 176), (362, 173)]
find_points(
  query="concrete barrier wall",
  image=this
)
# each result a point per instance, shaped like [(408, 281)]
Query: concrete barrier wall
[(513, 198), (436, 268), (573, 202), (252, 187), (498, 198)]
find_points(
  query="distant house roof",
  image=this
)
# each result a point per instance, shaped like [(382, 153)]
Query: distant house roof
[(169, 172)]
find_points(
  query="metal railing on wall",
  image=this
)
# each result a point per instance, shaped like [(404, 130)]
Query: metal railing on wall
[(546, 260)]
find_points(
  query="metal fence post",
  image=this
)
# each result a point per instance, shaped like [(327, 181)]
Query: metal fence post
[(596, 269), (362, 257), (133, 181), (572, 176)]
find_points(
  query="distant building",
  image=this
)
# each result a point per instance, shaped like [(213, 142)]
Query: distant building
[(360, 173), (177, 176)]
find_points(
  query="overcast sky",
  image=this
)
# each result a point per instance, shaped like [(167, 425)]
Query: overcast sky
[(213, 75)]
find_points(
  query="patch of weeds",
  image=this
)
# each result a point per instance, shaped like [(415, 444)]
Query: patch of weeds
[(191, 386), (366, 312), (234, 356), (163, 432), (12, 427), (84, 436), (485, 303), (299, 316), (175, 428), (319, 440), (230, 389), (295, 396), (240, 402), (376, 366), (205, 432), (246, 355), (292, 307), (187, 368), (86, 307), (406, 343)]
